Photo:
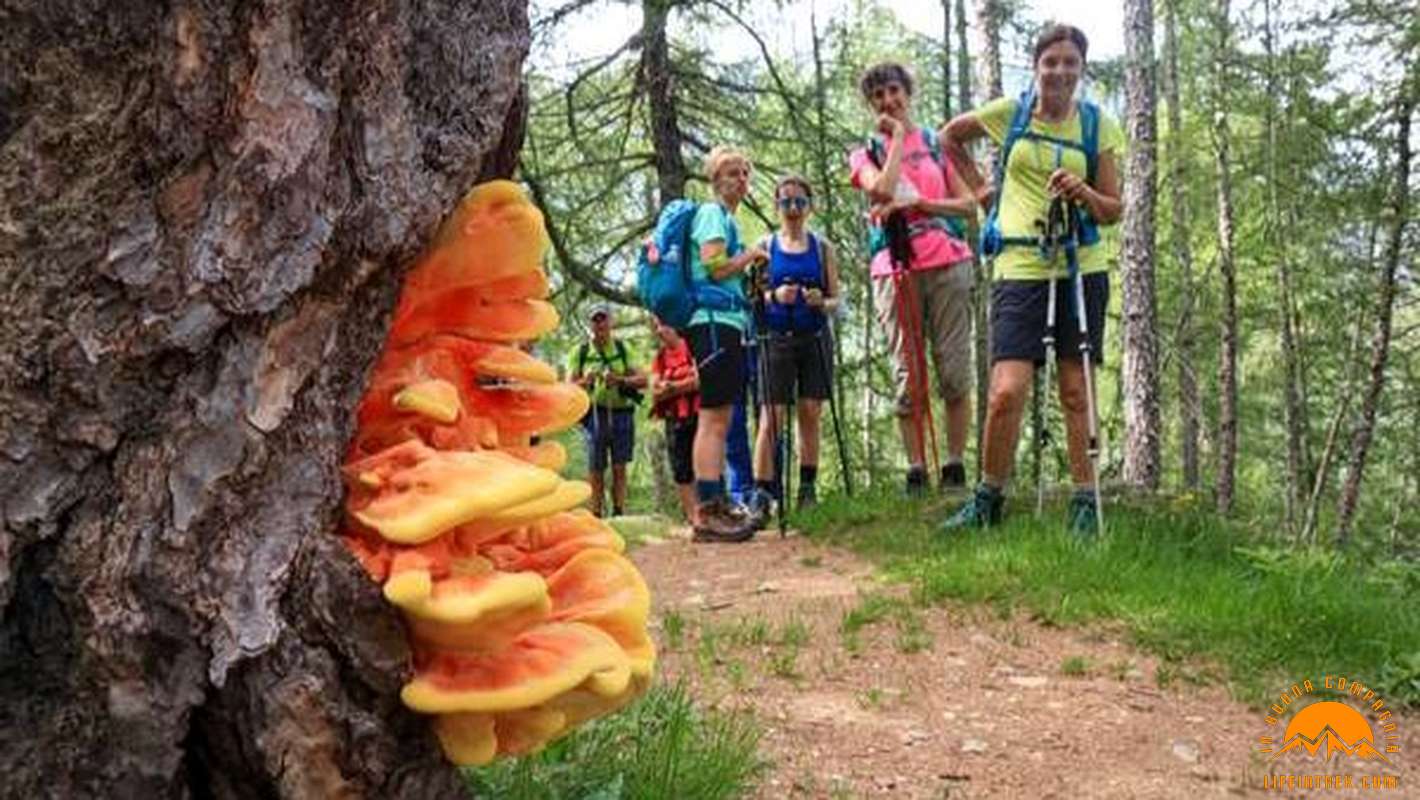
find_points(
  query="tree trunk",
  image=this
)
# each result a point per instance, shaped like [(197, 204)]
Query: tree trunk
[(1141, 353), (656, 74), (963, 59), (947, 60), (1275, 243), (207, 208), (989, 17), (1385, 309), (1228, 366), (1188, 400), (1307, 535)]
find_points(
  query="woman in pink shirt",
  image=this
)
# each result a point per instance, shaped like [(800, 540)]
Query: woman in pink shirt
[(903, 173)]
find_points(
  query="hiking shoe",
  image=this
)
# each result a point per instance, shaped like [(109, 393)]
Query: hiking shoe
[(719, 520), (1082, 519), (953, 477), (916, 482), (760, 508), (807, 497), (982, 510)]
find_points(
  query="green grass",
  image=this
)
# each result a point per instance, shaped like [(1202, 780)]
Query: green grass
[(1203, 595), (660, 747)]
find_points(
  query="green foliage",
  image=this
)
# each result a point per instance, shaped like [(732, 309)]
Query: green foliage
[(662, 746), (1194, 590)]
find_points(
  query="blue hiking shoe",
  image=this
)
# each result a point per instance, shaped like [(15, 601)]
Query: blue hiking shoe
[(1082, 518), (983, 510)]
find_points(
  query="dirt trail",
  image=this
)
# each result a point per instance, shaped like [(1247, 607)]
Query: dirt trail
[(990, 707)]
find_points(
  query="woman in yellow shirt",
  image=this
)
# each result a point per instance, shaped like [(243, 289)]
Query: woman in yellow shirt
[(1063, 148)]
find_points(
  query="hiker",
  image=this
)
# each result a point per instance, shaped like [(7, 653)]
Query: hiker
[(924, 303), (800, 290), (675, 400), (603, 367), (1048, 157), (718, 258)]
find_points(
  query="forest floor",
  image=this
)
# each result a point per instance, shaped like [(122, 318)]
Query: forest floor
[(861, 691)]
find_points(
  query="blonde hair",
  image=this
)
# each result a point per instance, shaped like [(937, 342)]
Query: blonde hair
[(720, 156)]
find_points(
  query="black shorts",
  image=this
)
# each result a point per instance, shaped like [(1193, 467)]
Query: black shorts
[(1018, 319), (798, 360), (680, 442), (720, 356)]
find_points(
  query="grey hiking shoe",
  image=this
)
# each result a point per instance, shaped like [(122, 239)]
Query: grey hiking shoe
[(982, 510), (722, 521), (1082, 518), (760, 508)]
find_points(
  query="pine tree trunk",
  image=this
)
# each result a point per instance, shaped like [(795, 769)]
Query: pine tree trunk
[(1227, 268), (1275, 243), (1188, 400), (963, 59), (1141, 353), (657, 79), (989, 17), (207, 210), (947, 60), (1385, 309)]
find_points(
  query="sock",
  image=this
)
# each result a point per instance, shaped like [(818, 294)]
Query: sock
[(768, 487), (953, 460), (808, 473), (706, 491)]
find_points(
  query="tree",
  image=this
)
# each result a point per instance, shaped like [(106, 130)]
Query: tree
[(1141, 368), (209, 207), (1188, 400), (1227, 268), (1397, 219)]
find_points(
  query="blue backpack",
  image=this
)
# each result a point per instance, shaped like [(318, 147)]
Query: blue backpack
[(992, 242), (665, 285)]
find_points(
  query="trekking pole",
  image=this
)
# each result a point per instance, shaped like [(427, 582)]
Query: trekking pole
[(785, 431), (764, 374), (899, 236), (1051, 234), (1050, 248), (821, 349), (1092, 448)]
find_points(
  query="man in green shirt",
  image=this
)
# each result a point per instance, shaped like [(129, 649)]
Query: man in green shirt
[(603, 367)]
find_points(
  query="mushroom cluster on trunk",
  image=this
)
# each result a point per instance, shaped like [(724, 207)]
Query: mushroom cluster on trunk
[(524, 618)]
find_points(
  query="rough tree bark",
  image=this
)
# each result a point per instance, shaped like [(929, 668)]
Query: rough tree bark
[(656, 74), (1142, 465), (989, 16), (1188, 400), (1276, 243), (207, 207), (1228, 363), (1397, 218), (947, 60)]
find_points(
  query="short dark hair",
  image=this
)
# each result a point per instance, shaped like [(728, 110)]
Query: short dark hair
[(1057, 32), (794, 180), (883, 74)]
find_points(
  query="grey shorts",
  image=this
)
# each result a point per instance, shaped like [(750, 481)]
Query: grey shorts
[(939, 304)]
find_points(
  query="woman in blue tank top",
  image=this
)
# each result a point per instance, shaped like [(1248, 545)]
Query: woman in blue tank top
[(797, 295)]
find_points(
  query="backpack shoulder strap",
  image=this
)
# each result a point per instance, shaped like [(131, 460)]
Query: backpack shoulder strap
[(1090, 138), (933, 142), (621, 354), (582, 358)]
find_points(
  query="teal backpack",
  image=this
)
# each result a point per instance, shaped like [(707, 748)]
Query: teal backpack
[(992, 242), (663, 280)]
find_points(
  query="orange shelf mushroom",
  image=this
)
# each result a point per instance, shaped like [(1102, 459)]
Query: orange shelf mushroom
[(525, 619)]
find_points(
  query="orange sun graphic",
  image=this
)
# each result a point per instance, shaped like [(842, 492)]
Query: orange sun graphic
[(1336, 726)]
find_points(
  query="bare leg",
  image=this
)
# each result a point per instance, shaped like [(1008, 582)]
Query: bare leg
[(1010, 382), (1077, 421), (687, 500), (764, 443), (618, 487), (709, 453), (958, 419), (596, 480), (810, 412)]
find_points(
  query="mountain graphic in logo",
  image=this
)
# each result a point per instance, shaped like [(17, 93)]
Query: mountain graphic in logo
[(1336, 726)]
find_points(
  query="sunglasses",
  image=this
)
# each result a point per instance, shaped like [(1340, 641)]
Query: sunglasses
[(796, 203)]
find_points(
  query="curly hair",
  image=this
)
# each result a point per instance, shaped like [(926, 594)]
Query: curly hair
[(883, 74)]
